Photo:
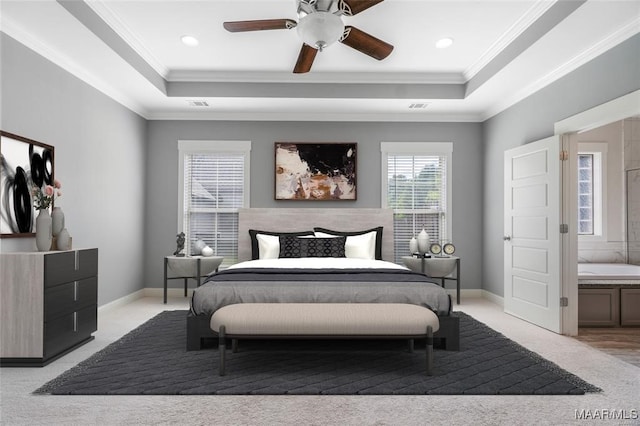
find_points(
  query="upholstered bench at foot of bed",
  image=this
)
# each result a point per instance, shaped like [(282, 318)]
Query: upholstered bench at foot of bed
[(324, 321)]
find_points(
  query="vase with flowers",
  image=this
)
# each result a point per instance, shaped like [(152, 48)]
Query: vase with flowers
[(42, 199)]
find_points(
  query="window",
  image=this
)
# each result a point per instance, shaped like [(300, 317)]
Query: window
[(214, 185), (415, 184), (585, 194), (591, 212)]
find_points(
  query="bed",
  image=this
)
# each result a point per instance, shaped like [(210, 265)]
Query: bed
[(362, 273)]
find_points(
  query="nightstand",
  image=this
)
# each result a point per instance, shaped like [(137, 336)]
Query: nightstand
[(185, 267), (441, 268)]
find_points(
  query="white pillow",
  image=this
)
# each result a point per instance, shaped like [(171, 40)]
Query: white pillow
[(268, 246), (357, 246)]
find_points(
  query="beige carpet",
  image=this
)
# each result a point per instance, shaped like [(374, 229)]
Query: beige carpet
[(620, 382)]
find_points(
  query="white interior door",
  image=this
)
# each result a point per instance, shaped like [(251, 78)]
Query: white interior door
[(532, 251)]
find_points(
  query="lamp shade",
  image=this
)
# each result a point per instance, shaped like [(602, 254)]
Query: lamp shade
[(320, 29)]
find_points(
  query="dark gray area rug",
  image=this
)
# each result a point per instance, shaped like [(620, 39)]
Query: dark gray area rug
[(153, 360)]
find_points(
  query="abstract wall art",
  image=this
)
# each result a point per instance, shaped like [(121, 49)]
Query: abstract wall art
[(315, 171), (24, 164)]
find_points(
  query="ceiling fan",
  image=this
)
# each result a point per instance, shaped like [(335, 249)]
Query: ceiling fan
[(320, 25)]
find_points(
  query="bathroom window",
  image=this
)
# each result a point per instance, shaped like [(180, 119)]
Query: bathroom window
[(214, 184), (590, 194), (585, 194), (416, 184)]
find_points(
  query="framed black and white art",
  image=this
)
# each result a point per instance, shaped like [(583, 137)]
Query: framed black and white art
[(315, 171), (24, 164)]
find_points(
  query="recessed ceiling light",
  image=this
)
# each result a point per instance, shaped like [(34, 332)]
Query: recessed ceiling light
[(443, 43), (189, 40)]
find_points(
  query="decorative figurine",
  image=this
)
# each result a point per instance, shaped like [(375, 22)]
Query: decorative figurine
[(180, 244)]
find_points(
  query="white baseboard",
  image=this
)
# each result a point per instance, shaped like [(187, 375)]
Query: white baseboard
[(498, 300), (121, 301), (471, 293), (171, 292)]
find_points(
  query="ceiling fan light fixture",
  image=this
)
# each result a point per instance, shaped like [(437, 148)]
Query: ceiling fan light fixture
[(320, 29)]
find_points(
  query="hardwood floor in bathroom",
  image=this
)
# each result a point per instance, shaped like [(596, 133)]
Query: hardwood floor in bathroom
[(623, 342)]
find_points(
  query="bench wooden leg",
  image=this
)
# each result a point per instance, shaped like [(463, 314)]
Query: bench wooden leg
[(221, 348), (429, 350)]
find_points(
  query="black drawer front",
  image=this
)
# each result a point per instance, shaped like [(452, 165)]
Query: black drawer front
[(70, 297), (68, 330), (63, 267)]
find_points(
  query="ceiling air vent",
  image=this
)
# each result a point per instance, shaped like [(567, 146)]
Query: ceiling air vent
[(198, 103), (418, 105)]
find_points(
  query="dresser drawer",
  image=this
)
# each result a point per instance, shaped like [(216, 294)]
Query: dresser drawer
[(69, 329), (68, 266), (70, 297)]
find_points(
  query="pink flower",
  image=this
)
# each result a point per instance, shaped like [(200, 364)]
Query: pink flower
[(57, 184), (48, 190)]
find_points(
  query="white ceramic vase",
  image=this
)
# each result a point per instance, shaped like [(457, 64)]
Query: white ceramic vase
[(63, 240), (57, 221), (423, 241), (413, 245), (43, 230), (207, 251), (198, 245)]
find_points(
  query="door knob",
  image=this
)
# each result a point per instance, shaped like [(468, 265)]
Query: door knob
[(507, 238)]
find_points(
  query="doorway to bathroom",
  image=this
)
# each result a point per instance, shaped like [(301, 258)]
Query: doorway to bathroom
[(604, 248)]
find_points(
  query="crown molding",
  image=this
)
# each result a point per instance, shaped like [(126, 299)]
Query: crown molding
[(107, 14), (63, 61), (512, 33), (617, 37), (322, 117), (318, 77)]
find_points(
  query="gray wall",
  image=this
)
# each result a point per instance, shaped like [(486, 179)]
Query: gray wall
[(609, 76), (100, 149), (162, 175), (120, 172)]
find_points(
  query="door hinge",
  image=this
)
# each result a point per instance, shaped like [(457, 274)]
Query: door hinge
[(564, 302), (564, 228), (564, 155)]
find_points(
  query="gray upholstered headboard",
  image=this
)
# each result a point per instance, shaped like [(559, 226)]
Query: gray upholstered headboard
[(304, 219)]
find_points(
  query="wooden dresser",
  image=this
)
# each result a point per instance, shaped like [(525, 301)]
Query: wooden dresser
[(48, 304)]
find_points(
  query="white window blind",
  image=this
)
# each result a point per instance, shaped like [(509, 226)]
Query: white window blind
[(416, 187), (214, 187)]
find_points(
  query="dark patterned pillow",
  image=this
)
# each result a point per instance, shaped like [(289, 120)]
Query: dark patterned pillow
[(291, 246), (255, 251)]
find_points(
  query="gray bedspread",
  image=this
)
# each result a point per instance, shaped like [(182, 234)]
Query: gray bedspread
[(277, 285)]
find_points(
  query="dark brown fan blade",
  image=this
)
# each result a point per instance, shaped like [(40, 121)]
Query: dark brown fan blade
[(305, 59), (366, 43), (259, 25), (357, 6)]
